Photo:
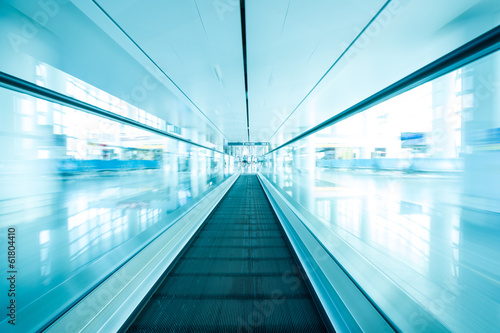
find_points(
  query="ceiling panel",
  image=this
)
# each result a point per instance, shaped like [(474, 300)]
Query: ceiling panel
[(291, 44), (291, 47), (199, 47)]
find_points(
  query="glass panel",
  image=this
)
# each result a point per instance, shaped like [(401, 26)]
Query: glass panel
[(84, 200), (406, 196)]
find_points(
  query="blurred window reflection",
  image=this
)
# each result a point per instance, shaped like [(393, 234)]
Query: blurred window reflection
[(424, 167), (90, 190)]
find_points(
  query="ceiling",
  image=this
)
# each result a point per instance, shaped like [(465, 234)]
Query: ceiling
[(305, 60), (198, 45)]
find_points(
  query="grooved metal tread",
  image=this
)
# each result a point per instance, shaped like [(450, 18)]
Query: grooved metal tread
[(237, 275)]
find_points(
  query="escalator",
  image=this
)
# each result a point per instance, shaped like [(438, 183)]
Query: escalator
[(237, 275)]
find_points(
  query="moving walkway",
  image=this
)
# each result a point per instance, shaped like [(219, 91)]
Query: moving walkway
[(237, 274)]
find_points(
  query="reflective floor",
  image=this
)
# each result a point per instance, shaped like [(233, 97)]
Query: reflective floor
[(73, 231), (429, 259)]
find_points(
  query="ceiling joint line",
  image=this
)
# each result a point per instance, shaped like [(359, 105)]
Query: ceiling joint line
[(333, 65), (312, 53), (284, 20), (157, 66), (201, 20)]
